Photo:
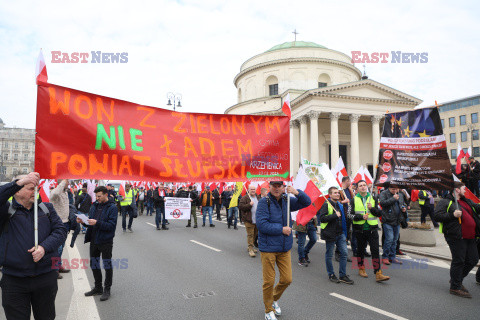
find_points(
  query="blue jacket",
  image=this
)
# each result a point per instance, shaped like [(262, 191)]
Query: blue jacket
[(106, 223), (270, 221), (18, 237)]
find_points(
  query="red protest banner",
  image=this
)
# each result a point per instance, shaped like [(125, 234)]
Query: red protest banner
[(84, 135)]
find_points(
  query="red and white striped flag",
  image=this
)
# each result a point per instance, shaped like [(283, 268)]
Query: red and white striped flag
[(339, 171), (460, 156), (367, 176), (45, 190), (41, 69), (304, 183), (286, 106), (360, 175), (468, 194), (121, 190)]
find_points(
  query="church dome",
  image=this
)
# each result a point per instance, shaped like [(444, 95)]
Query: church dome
[(296, 44)]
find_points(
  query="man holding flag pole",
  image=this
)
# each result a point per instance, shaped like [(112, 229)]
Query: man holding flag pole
[(275, 241), (28, 281)]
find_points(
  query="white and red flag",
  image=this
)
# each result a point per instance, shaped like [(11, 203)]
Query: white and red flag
[(304, 183), (360, 175), (45, 190), (367, 176), (460, 156), (339, 171), (468, 194), (286, 106), (468, 154), (121, 190), (41, 69)]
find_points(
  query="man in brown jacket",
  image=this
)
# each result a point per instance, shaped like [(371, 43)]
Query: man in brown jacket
[(248, 209), (206, 201)]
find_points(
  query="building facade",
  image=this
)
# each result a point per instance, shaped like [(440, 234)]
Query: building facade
[(335, 111), (460, 125), (17, 150)]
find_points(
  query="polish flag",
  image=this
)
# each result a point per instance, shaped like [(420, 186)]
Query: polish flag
[(245, 188), (302, 182), (121, 190), (367, 176), (460, 156), (468, 194), (468, 154), (360, 175), (339, 171), (286, 106), (41, 69), (45, 190)]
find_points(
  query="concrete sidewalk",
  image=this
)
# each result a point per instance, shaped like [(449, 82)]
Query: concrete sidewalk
[(440, 251)]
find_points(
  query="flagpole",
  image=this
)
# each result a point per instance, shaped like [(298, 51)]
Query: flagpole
[(35, 217)]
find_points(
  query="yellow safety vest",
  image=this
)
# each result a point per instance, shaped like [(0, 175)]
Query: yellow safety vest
[(330, 211), (128, 199), (361, 209), (422, 201)]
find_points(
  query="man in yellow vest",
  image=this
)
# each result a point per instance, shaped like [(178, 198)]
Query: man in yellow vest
[(333, 218), (126, 208), (427, 205), (364, 213)]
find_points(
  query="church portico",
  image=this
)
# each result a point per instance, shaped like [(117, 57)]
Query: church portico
[(334, 112)]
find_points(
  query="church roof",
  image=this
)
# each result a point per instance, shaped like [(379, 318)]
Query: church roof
[(296, 44)]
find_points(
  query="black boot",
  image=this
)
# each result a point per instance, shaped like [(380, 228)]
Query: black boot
[(106, 294), (95, 291)]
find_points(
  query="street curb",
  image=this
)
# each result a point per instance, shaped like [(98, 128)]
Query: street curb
[(430, 255)]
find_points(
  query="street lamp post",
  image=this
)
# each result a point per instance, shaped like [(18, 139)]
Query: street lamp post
[(175, 98), (470, 129)]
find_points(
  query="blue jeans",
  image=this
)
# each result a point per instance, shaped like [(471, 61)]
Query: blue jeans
[(149, 207), (341, 243), (232, 211), (160, 217), (391, 238), (312, 239), (126, 210), (210, 211)]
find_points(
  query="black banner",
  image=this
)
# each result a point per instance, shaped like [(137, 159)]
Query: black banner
[(413, 151)]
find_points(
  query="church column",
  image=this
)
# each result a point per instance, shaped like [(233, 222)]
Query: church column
[(375, 139), (294, 146), (303, 138), (354, 146), (314, 156), (335, 149)]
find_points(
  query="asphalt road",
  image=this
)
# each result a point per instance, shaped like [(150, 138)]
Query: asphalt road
[(171, 277)]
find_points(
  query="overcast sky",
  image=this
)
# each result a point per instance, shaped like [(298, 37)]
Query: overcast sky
[(196, 47)]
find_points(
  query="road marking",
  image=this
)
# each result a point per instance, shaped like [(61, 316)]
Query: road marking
[(238, 225), (206, 246), (366, 306), (81, 307), (151, 224)]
